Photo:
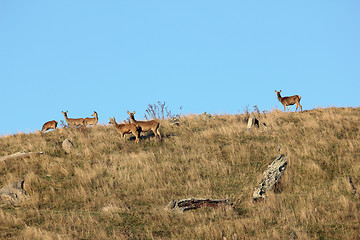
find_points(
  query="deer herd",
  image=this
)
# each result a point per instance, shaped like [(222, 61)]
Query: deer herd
[(136, 127)]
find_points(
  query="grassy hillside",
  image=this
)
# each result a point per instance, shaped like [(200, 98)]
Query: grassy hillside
[(110, 189)]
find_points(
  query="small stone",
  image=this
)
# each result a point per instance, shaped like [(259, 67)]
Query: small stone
[(174, 121), (67, 145), (110, 208)]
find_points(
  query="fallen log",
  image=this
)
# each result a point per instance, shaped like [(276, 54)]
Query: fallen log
[(18, 155), (271, 177), (193, 203)]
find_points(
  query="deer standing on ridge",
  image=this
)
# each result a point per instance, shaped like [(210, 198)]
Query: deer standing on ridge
[(49, 125), (146, 126), (286, 101), (126, 128), (91, 121), (73, 121)]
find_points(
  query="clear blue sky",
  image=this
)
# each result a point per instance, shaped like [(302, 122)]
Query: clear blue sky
[(213, 56)]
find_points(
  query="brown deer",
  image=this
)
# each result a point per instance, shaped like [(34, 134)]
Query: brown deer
[(146, 126), (286, 101), (91, 121), (73, 121), (49, 125), (126, 128)]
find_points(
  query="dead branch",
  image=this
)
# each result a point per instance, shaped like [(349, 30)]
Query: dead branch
[(193, 203), (19, 155)]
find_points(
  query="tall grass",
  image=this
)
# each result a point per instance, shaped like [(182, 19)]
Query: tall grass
[(110, 189)]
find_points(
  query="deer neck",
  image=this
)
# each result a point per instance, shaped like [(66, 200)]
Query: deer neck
[(66, 118), (132, 119), (279, 96), (115, 124)]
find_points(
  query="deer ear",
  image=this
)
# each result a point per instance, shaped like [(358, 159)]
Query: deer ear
[(280, 90), (128, 112), (134, 112)]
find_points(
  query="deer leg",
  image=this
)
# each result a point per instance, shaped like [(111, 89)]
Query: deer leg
[(284, 108), (296, 107), (155, 133), (158, 133), (137, 135)]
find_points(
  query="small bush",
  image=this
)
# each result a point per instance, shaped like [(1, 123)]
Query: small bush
[(159, 110)]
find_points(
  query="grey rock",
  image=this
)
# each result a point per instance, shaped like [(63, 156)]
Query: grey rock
[(253, 121), (67, 145), (174, 121), (271, 177), (13, 193)]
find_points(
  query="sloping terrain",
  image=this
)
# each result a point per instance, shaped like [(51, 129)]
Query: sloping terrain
[(107, 188)]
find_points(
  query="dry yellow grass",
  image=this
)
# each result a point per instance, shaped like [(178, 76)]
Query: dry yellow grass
[(110, 189)]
